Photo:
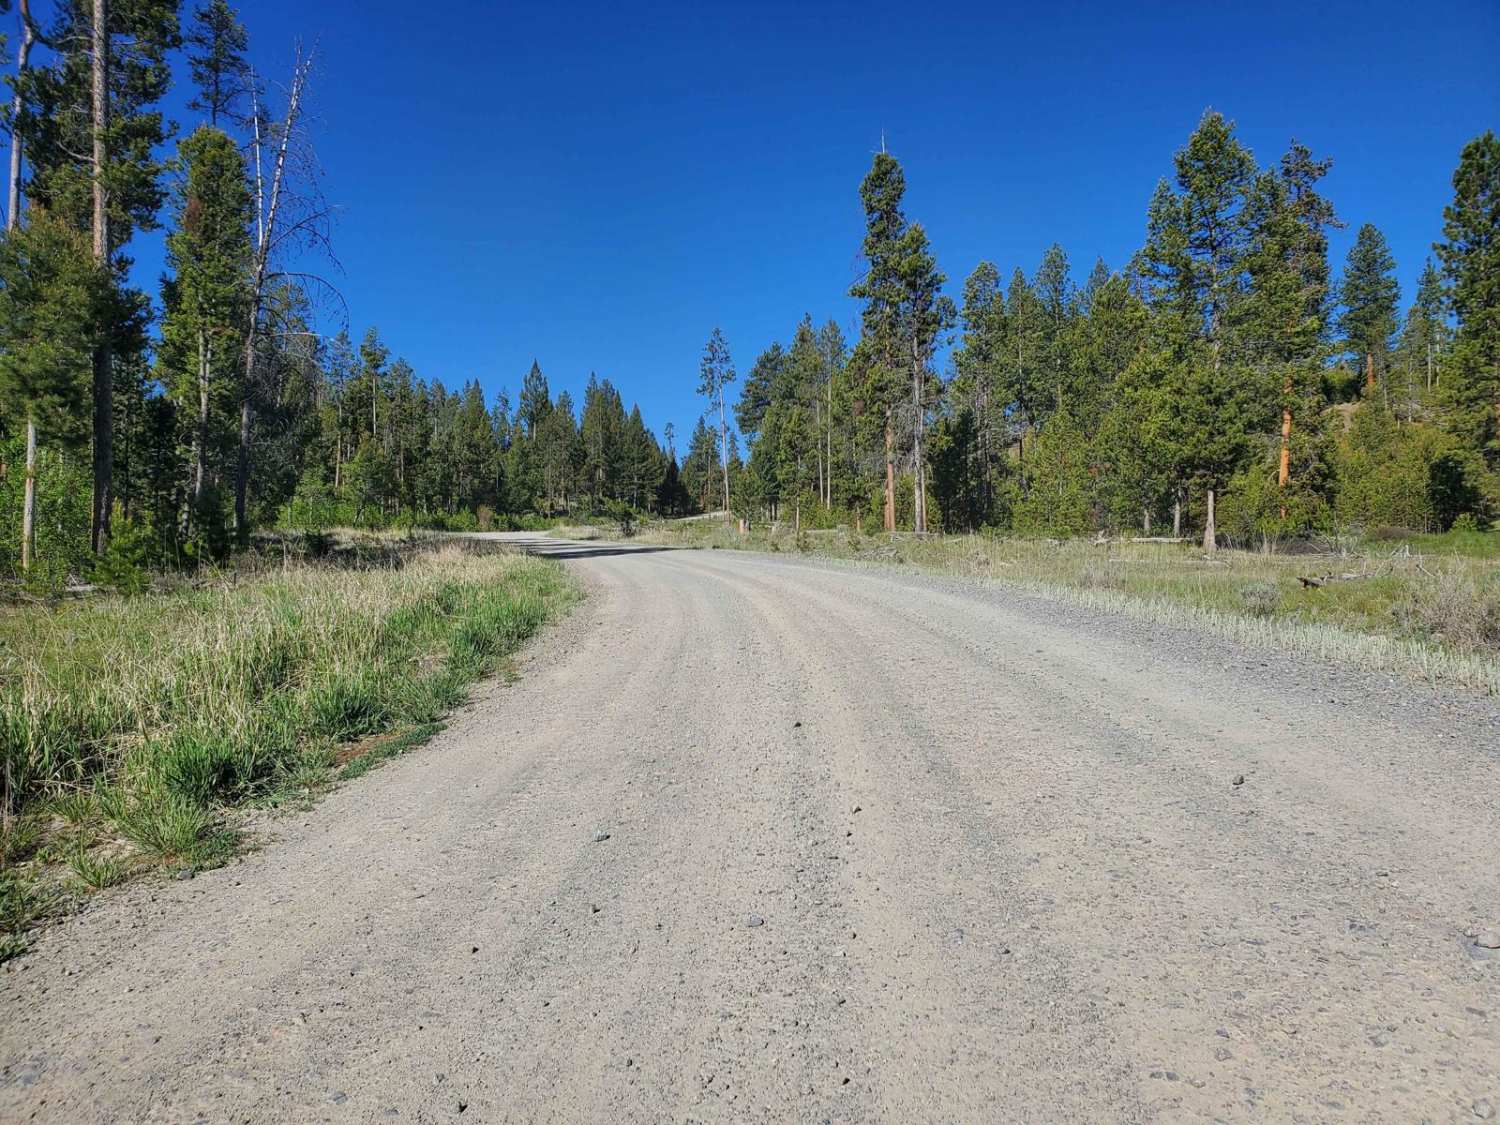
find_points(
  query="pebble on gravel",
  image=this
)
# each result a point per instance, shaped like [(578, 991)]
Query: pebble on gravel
[(1483, 1110), (1239, 779), (755, 920), (1487, 939), (600, 836)]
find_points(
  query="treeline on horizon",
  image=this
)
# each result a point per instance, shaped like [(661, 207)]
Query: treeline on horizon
[(138, 434), (1222, 382)]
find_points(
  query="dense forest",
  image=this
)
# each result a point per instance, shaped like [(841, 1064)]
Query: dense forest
[(1222, 381), (142, 429), (1225, 381)]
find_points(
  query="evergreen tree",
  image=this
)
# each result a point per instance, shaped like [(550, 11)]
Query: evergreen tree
[(206, 296), (52, 301), (216, 44), (1424, 342), (103, 176), (904, 315), (536, 400), (1470, 255), (1197, 254), (1368, 294), (715, 373)]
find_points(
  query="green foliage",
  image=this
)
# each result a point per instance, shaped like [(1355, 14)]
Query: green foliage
[(216, 45), (1257, 511), (103, 703), (125, 565), (280, 662), (1059, 499), (96, 872), (1369, 293), (62, 518), (52, 300), (1470, 256)]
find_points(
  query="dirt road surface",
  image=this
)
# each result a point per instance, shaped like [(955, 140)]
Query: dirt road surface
[(755, 838)]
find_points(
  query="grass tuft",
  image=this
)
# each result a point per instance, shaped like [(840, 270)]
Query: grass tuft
[(148, 718)]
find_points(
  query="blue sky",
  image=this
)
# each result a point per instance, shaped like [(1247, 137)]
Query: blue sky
[(597, 185)]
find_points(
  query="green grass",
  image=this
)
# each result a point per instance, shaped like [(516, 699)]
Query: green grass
[(1426, 606), (131, 727)]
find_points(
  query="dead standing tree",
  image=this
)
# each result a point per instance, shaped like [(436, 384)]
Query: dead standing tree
[(290, 215), (12, 220)]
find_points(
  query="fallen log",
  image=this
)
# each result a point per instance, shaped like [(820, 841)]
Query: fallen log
[(1316, 582)]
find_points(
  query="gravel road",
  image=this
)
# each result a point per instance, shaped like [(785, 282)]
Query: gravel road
[(760, 838)]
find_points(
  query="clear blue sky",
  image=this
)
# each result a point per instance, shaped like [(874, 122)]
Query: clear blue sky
[(599, 184)]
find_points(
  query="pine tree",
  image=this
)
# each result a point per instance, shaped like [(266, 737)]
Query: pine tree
[(536, 400), (1054, 291), (1368, 294), (1424, 341), (97, 171), (52, 300), (904, 316), (207, 294), (216, 44), (762, 386), (881, 351), (1470, 254), (1195, 262), (1021, 364), (715, 373)]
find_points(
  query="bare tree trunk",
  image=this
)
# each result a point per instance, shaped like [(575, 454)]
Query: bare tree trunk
[(919, 461), (1284, 469), (1210, 536), (1021, 458), (12, 220), (1370, 371), (1145, 521), (23, 56), (828, 483), (724, 445), (1284, 472), (28, 503), (266, 233), (890, 473), (104, 431), (242, 472), (200, 432), (818, 429), (1177, 514)]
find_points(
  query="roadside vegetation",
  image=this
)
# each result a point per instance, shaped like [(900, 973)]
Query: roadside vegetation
[(131, 727), (1422, 605)]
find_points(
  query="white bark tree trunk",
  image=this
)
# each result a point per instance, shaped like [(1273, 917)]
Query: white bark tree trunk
[(724, 445), (265, 236), (28, 502), (103, 378), (23, 56)]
